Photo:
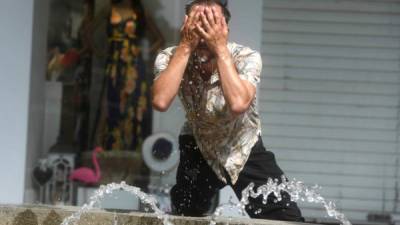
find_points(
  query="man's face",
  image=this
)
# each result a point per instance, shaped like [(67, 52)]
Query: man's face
[(202, 46)]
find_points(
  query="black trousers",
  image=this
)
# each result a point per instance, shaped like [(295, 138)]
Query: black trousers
[(196, 184)]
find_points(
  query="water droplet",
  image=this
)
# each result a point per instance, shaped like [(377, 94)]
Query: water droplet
[(110, 188)]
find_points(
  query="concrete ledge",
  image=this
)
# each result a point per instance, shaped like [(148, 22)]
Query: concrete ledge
[(49, 215)]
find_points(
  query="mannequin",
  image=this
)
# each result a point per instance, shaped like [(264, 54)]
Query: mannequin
[(126, 99)]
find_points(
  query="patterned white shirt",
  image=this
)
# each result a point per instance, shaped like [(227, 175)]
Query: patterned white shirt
[(224, 140)]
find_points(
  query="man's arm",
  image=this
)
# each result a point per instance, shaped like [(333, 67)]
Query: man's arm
[(166, 85), (238, 93)]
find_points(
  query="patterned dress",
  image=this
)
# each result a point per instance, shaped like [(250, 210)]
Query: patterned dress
[(127, 89)]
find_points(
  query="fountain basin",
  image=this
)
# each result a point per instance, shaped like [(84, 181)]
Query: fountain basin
[(53, 215)]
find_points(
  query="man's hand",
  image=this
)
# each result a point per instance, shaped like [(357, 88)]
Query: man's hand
[(213, 29), (189, 38), (167, 85)]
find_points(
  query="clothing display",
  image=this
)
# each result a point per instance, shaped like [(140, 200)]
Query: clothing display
[(126, 96)]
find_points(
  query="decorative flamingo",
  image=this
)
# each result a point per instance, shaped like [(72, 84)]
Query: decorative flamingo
[(86, 175)]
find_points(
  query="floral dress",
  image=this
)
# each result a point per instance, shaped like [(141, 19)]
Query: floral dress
[(127, 97)]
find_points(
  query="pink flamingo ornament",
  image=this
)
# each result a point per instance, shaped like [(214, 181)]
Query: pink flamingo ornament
[(86, 175)]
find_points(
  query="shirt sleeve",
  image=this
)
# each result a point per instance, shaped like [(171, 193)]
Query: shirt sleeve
[(162, 61), (249, 66)]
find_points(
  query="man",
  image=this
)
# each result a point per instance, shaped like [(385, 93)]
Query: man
[(220, 143)]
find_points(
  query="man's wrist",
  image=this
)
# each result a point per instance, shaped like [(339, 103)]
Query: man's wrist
[(184, 48), (222, 52)]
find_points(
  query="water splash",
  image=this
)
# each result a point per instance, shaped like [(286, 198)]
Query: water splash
[(296, 189), (108, 189), (232, 206)]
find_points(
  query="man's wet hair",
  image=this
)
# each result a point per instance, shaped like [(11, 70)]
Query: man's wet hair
[(222, 3)]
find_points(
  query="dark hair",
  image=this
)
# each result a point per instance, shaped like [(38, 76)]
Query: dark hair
[(137, 6), (222, 3)]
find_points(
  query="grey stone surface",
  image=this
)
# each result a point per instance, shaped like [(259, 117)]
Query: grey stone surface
[(53, 215)]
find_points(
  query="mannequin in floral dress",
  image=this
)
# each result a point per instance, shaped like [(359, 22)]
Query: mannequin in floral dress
[(126, 97)]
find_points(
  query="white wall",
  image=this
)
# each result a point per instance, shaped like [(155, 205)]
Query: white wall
[(246, 24), (15, 62), (37, 98), (21, 95), (330, 98)]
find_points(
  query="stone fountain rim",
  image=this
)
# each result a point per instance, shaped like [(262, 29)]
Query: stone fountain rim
[(72, 209)]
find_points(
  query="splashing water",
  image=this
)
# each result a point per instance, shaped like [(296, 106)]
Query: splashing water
[(296, 189), (108, 189)]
